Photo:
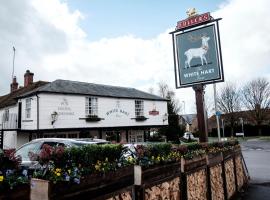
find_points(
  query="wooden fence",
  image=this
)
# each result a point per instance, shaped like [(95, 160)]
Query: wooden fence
[(218, 176)]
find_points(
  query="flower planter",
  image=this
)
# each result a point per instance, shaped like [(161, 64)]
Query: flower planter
[(194, 163), (228, 154), (214, 158), (93, 119), (140, 119), (96, 186), (157, 182), (147, 176)]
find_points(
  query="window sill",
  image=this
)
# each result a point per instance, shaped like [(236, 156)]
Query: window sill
[(92, 119), (140, 118), (27, 120)]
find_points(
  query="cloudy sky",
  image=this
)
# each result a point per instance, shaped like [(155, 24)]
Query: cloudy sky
[(125, 42)]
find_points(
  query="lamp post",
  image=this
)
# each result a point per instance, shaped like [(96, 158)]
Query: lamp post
[(54, 116), (242, 123)]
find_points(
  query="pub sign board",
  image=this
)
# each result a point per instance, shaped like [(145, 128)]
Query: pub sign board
[(197, 56)]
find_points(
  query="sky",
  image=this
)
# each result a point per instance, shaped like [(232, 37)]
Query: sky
[(126, 42)]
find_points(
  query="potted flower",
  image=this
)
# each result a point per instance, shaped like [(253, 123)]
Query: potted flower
[(13, 180), (92, 118)]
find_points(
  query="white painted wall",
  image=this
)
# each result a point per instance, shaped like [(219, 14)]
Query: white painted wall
[(10, 137), (71, 108), (10, 140)]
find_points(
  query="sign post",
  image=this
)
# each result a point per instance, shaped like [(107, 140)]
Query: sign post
[(197, 59), (201, 118)]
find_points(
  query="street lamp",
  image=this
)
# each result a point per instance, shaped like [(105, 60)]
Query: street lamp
[(222, 123), (242, 123), (54, 116)]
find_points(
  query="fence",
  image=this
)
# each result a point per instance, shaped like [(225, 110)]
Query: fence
[(215, 176)]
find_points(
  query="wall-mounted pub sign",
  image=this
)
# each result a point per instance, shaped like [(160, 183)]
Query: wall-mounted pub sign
[(197, 51)]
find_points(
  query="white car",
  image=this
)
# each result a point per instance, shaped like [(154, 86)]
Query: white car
[(36, 145), (188, 135)]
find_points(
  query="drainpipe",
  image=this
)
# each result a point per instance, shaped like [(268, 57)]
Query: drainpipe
[(37, 111)]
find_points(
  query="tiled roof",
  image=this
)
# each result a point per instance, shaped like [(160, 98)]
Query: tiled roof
[(75, 87), (10, 99)]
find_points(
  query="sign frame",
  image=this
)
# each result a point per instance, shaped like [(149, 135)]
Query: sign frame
[(177, 68)]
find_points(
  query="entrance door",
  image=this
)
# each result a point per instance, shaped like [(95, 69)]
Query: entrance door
[(20, 115), (135, 136)]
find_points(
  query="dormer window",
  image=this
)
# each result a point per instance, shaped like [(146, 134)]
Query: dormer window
[(91, 106), (28, 108)]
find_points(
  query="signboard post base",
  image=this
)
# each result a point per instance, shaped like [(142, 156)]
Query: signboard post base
[(199, 94)]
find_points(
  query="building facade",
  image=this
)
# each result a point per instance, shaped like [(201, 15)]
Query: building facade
[(74, 109)]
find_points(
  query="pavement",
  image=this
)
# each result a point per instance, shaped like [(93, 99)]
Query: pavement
[(257, 157)]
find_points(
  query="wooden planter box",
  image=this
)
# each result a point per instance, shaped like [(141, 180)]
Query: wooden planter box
[(214, 158), (195, 163), (95, 186), (149, 175), (157, 182), (228, 154), (21, 192)]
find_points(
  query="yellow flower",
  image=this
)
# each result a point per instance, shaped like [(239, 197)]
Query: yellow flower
[(58, 174), (1, 178), (69, 171)]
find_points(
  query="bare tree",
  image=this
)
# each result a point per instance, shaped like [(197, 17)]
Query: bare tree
[(166, 92), (256, 96), (229, 102), (173, 131), (151, 90)]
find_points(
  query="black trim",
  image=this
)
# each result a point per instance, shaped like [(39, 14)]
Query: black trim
[(27, 120), (19, 114), (213, 22), (86, 128)]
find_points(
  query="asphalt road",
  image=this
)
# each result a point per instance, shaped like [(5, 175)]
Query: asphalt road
[(257, 157)]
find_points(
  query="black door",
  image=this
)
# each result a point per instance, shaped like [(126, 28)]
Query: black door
[(20, 115)]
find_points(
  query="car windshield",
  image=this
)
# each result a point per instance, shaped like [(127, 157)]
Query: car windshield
[(24, 150)]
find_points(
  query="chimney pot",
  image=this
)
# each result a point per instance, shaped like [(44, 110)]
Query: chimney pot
[(28, 78)]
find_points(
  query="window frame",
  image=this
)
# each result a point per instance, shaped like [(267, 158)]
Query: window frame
[(28, 108), (139, 108), (91, 106), (6, 115)]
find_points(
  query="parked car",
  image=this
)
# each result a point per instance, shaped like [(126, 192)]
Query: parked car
[(36, 145), (188, 135)]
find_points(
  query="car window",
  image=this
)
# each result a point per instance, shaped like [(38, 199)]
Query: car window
[(54, 144), (24, 150)]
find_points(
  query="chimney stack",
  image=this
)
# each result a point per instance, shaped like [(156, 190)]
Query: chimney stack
[(28, 78), (14, 85)]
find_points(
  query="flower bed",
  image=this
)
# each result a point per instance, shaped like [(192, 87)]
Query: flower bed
[(103, 170)]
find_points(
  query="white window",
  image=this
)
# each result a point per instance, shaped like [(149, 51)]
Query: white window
[(6, 116), (139, 108), (91, 106), (28, 108)]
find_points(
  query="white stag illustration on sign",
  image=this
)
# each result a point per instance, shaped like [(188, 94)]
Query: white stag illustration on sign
[(197, 52)]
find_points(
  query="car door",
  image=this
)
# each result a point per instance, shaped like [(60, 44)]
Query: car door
[(24, 153)]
